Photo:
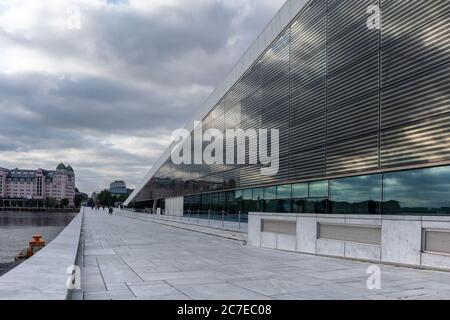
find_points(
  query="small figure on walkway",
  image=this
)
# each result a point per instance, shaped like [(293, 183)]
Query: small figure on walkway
[(111, 210)]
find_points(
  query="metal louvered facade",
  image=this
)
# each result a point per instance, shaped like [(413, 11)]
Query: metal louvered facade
[(348, 100)]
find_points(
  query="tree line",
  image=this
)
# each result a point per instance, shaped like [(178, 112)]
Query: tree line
[(107, 199)]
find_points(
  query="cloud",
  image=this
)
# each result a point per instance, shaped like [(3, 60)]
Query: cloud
[(105, 98)]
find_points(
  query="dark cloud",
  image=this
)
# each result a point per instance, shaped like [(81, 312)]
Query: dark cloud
[(127, 75), (89, 103)]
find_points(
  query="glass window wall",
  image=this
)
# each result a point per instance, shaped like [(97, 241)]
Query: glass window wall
[(247, 201), (356, 195), (284, 196), (422, 192), (318, 189), (425, 191), (300, 191), (258, 194), (270, 199)]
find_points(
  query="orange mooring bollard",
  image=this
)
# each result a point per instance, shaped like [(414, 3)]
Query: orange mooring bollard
[(29, 252), (37, 242)]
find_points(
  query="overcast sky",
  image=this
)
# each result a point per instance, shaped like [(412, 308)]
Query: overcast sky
[(105, 97)]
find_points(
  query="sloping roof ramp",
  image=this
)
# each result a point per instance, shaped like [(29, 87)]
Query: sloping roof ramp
[(276, 26)]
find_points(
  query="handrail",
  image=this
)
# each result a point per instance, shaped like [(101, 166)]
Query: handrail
[(236, 220)]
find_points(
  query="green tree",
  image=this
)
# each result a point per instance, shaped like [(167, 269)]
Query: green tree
[(50, 203), (78, 200), (105, 198), (65, 202), (80, 197)]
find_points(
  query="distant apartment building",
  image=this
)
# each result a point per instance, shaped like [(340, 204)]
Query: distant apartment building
[(38, 184), (119, 188)]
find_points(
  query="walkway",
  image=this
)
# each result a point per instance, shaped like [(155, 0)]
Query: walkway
[(127, 258), (214, 228)]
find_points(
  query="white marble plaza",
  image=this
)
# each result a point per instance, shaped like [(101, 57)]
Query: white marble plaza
[(140, 258)]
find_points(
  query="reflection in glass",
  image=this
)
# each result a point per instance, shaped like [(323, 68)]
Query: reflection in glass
[(206, 202), (284, 192), (310, 205), (284, 206), (284, 195), (193, 203), (270, 193), (319, 206), (298, 206), (247, 194), (318, 189), (270, 206), (215, 202), (247, 201), (300, 190), (258, 194), (188, 203), (231, 203), (239, 197), (270, 199), (425, 191), (356, 195)]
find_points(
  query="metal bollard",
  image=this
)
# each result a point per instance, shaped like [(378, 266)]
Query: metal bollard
[(223, 221), (198, 216), (209, 217)]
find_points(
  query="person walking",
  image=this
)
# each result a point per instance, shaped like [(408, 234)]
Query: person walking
[(111, 210)]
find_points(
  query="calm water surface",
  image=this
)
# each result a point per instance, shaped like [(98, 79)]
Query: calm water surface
[(17, 228)]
